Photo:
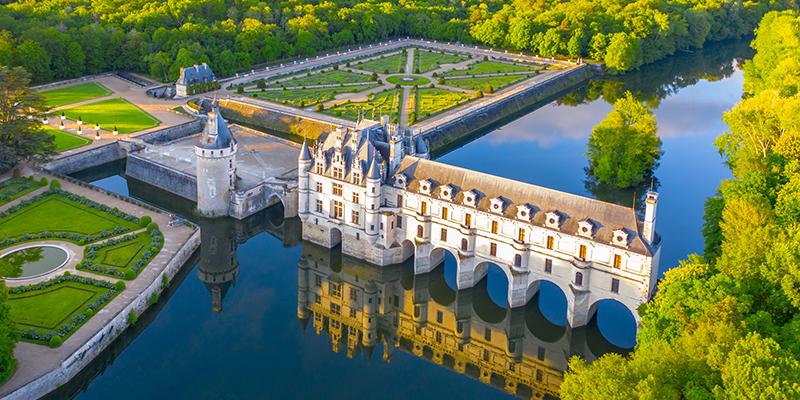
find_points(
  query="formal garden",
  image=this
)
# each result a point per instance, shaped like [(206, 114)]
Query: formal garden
[(325, 77), (386, 102), (429, 60), (496, 82), (75, 94), (492, 67), (118, 245), (307, 97), (66, 141), (384, 64), (127, 117), (432, 101)]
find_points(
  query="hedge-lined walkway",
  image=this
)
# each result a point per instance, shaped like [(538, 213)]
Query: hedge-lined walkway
[(34, 360)]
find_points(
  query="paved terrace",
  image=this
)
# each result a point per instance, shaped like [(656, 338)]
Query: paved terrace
[(34, 360)]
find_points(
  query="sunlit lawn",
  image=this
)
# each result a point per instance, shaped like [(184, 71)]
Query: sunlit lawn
[(428, 60), (113, 112), (308, 97), (383, 103), (497, 82), (75, 94), (67, 141), (432, 101), (491, 67), (330, 77), (18, 183), (391, 63)]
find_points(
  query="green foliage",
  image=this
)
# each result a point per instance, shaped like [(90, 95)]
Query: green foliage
[(145, 220), (489, 89), (56, 341), (164, 281), (89, 313), (129, 274), (43, 181), (624, 149), (320, 107), (261, 84), (132, 317), (55, 184), (9, 336), (119, 286), (240, 89), (151, 226), (478, 94), (16, 174), (21, 138), (67, 273)]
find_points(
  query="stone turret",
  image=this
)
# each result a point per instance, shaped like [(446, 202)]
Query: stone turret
[(649, 226), (305, 161), (216, 166), (373, 199)]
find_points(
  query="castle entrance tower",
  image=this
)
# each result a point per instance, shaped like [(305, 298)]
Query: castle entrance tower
[(216, 166)]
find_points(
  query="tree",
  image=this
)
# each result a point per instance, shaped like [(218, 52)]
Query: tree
[(9, 336), (623, 53), (624, 149), (75, 60), (21, 138)]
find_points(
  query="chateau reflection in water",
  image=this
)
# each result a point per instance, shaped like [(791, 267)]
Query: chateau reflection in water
[(358, 305)]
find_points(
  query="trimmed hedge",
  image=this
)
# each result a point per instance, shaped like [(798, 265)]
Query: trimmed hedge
[(90, 253)]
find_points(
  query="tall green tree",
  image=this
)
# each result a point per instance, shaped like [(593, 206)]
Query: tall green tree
[(624, 149), (21, 137)]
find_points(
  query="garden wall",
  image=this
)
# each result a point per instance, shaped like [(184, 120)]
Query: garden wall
[(92, 348), (87, 159), (167, 135), (236, 111), (162, 177), (501, 106)]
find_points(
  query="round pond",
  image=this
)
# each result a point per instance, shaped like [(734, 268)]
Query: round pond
[(32, 261)]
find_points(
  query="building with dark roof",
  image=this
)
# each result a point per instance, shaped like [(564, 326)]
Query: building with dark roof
[(367, 189), (191, 76), (216, 166)]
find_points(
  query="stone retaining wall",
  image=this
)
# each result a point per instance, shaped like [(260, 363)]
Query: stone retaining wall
[(86, 353), (87, 159), (503, 107), (162, 177), (167, 135), (272, 119)]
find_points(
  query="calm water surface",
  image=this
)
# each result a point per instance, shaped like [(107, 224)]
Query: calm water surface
[(231, 328)]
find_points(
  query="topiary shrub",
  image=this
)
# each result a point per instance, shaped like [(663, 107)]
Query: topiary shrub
[(416, 71), (431, 86), (397, 86), (78, 266), (434, 75), (89, 313), (154, 249), (402, 70), (129, 274), (67, 273), (489, 89), (56, 341), (17, 173), (380, 82), (320, 107), (43, 181), (261, 84), (478, 94), (347, 64), (240, 89), (485, 58), (302, 103), (55, 184), (119, 286), (152, 226), (144, 221)]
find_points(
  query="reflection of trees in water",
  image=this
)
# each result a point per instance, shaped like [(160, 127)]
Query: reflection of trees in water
[(628, 197), (11, 265), (656, 81)]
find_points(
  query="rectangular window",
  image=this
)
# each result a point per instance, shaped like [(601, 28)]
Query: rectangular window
[(399, 221), (336, 309), (550, 241), (319, 187), (617, 261), (338, 210), (352, 312), (445, 212), (493, 249), (424, 208), (420, 231), (614, 285), (439, 317), (485, 355), (487, 334), (336, 290), (468, 220), (439, 336), (582, 252), (444, 235), (320, 168), (539, 375), (337, 189), (541, 354), (521, 235), (494, 226), (399, 200), (338, 173), (357, 178), (317, 299), (353, 294), (319, 206), (579, 279), (548, 265), (355, 197), (317, 280), (355, 217)]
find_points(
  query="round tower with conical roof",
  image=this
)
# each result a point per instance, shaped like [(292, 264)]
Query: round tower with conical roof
[(304, 165), (216, 166)]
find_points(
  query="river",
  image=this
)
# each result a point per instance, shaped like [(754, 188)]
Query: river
[(240, 336)]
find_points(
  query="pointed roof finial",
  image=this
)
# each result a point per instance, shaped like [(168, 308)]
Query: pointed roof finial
[(305, 154), (374, 169), (652, 178)]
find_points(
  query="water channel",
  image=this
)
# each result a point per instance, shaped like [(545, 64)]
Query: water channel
[(239, 336)]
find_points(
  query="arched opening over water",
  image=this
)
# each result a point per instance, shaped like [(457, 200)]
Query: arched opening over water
[(538, 325), (443, 285), (275, 211), (449, 266), (497, 282), (598, 345), (615, 322), (551, 300), (485, 308)]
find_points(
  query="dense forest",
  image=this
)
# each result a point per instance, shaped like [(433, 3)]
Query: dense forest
[(62, 39), (725, 325)]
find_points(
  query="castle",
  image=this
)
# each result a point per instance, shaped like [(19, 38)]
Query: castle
[(368, 189), (191, 76)]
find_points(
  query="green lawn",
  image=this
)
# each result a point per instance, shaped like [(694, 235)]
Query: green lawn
[(75, 94), (433, 101), (383, 103), (420, 80), (49, 307), (18, 184), (67, 141), (391, 63), (491, 67), (329, 77), (59, 214), (308, 97), (125, 254), (180, 109), (428, 60), (113, 112), (497, 82)]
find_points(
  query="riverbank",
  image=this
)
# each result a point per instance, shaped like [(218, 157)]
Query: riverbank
[(41, 369)]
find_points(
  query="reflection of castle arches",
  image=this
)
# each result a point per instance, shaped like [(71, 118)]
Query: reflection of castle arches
[(539, 326), (623, 319), (481, 272)]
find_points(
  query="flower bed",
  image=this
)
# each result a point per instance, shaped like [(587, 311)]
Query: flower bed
[(139, 261)]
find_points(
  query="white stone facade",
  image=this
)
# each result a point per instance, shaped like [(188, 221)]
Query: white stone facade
[(592, 250)]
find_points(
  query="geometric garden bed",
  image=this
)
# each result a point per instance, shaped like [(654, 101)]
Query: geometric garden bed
[(122, 257)]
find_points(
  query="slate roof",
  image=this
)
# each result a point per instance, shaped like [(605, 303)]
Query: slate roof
[(605, 217), (195, 74), (216, 134)]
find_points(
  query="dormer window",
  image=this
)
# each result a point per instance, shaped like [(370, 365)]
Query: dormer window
[(553, 220), (619, 237), (497, 205), (400, 181), (524, 212), (425, 187), (471, 198), (585, 228), (447, 192), (357, 178), (320, 168)]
